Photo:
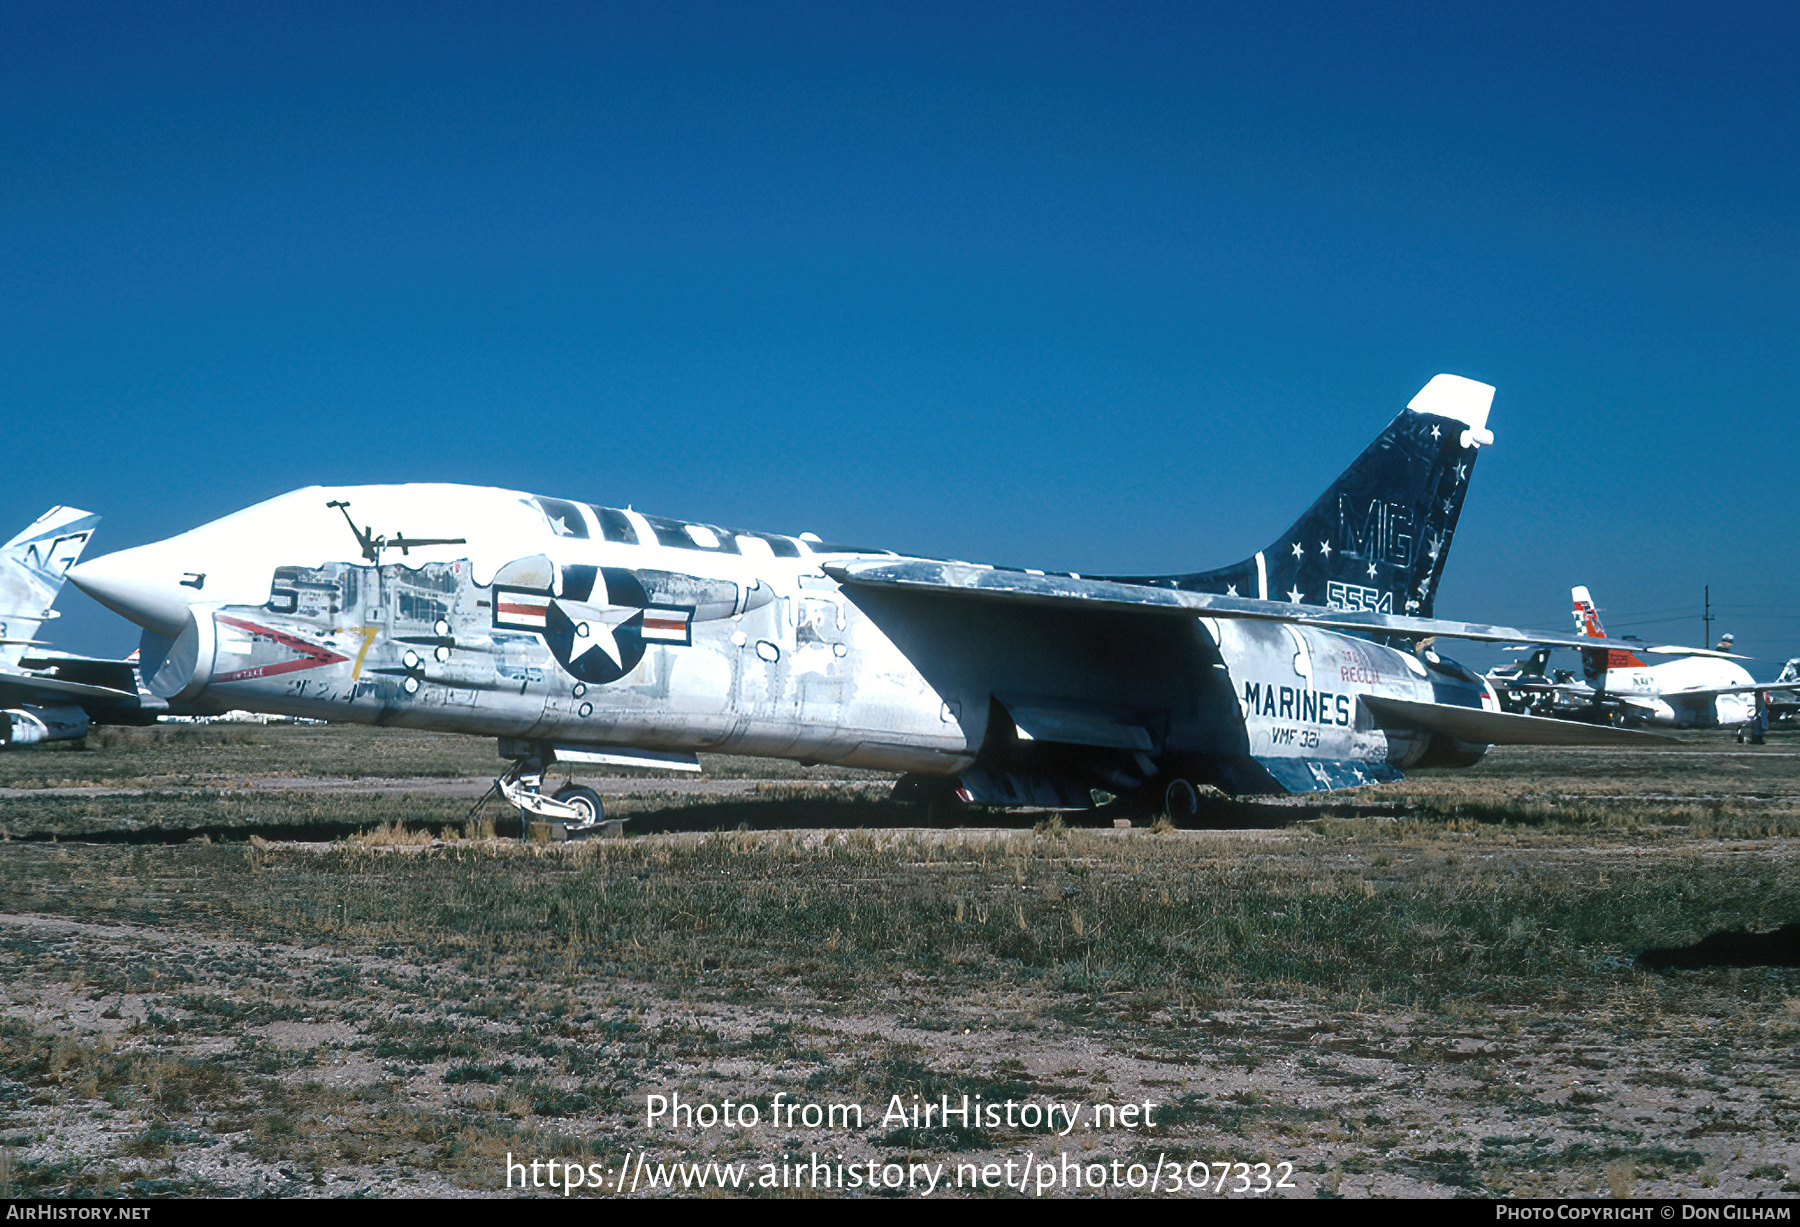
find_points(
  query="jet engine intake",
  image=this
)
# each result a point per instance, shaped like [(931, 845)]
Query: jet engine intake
[(179, 668)]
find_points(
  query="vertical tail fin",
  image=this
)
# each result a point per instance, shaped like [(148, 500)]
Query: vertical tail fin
[(32, 567), (1379, 537), (1587, 617), (1537, 665), (1587, 622)]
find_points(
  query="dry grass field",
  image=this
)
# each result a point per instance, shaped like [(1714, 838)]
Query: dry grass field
[(227, 967)]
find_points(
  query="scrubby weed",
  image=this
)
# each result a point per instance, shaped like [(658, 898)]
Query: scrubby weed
[(485, 971), (167, 754), (175, 817), (199, 753), (1083, 911), (1371, 991), (393, 834)]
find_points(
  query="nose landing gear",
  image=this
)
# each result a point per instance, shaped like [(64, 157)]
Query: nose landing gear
[(584, 801), (574, 811)]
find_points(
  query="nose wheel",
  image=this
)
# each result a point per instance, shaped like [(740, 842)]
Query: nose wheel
[(574, 811), (584, 801)]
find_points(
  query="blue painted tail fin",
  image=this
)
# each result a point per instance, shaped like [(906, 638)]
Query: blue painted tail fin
[(1378, 538)]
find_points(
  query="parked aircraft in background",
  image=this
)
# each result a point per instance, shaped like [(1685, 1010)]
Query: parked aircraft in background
[(36, 704), (1784, 705), (591, 634), (1700, 691), (1520, 685)]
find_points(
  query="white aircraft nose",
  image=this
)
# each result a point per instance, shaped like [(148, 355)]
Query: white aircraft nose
[(139, 584)]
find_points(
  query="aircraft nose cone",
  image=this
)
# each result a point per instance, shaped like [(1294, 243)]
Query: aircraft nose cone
[(138, 585)]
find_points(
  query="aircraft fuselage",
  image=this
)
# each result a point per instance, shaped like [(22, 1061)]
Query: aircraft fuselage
[(556, 622)]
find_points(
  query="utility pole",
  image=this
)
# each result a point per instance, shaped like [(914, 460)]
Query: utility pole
[(1706, 620)]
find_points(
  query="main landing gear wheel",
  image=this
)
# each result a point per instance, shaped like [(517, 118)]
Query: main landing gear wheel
[(585, 802), (1181, 802)]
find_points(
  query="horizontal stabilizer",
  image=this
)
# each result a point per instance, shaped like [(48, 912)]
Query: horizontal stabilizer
[(1479, 726), (1070, 591)]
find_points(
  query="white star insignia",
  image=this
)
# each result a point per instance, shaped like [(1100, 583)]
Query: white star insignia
[(559, 526), (1230, 589), (1294, 595), (1446, 506), (1371, 570), (600, 634), (1325, 548), (1461, 471), (1434, 432), (1298, 551), (602, 639)]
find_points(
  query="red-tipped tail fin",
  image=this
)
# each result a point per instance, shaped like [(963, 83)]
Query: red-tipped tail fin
[(1587, 622)]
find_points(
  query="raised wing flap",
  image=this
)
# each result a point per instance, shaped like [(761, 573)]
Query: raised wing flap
[(1493, 728), (967, 580)]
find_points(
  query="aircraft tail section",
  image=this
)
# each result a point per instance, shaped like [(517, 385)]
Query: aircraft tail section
[(1587, 622), (1379, 537), (32, 567)]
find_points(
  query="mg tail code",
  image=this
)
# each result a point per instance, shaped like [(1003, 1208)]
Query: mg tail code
[(1294, 703)]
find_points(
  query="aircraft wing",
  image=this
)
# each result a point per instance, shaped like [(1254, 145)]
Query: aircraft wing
[(1629, 696), (1742, 688), (965, 580), (1474, 724), (100, 671), (34, 688)]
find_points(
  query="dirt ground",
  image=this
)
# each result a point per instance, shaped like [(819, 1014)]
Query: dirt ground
[(1428, 990)]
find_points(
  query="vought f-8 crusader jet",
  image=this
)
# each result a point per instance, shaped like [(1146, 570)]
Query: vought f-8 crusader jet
[(583, 633)]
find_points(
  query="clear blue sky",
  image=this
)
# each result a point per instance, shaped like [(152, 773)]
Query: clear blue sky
[(1110, 287)]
